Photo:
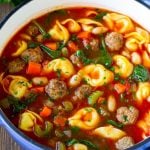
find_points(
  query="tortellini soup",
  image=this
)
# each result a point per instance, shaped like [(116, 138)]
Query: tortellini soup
[(79, 79)]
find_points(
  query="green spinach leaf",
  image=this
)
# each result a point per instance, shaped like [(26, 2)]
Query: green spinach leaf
[(104, 58), (18, 105), (140, 74), (53, 54), (115, 124), (42, 30), (100, 16)]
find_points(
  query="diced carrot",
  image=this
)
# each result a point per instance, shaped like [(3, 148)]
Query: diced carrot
[(34, 68), (38, 89), (52, 45), (84, 35), (87, 117), (120, 88), (45, 112), (72, 46), (100, 100), (60, 121)]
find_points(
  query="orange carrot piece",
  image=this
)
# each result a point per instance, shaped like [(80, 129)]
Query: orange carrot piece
[(45, 112), (38, 89), (52, 45), (120, 88), (84, 35), (72, 46), (34, 68), (60, 121), (100, 100)]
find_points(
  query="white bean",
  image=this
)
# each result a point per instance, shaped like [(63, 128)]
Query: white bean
[(99, 30), (79, 146), (74, 80), (148, 99), (40, 80), (136, 58), (111, 103)]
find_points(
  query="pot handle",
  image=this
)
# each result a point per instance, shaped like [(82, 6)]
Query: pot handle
[(145, 2)]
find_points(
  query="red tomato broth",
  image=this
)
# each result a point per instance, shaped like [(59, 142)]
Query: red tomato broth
[(47, 21)]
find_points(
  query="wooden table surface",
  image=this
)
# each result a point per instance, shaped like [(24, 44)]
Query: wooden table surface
[(6, 142)]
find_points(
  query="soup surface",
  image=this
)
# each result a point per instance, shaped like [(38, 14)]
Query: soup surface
[(78, 79)]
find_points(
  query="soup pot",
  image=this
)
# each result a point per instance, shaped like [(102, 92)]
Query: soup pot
[(34, 8)]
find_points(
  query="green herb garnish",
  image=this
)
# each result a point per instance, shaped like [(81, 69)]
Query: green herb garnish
[(83, 58), (125, 118)]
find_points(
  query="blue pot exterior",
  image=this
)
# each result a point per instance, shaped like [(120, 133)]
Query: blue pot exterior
[(145, 2), (27, 143)]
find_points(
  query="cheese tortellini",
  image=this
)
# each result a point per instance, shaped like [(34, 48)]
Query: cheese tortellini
[(16, 86), (61, 64), (109, 132), (73, 26), (123, 66), (86, 118), (59, 32), (95, 75), (90, 13), (22, 46), (135, 40), (28, 119), (119, 23), (143, 91), (92, 26)]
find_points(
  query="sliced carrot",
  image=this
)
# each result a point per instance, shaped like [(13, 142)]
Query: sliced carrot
[(120, 88), (45, 112), (72, 46), (38, 89), (84, 35), (34, 68), (60, 121), (52, 45)]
